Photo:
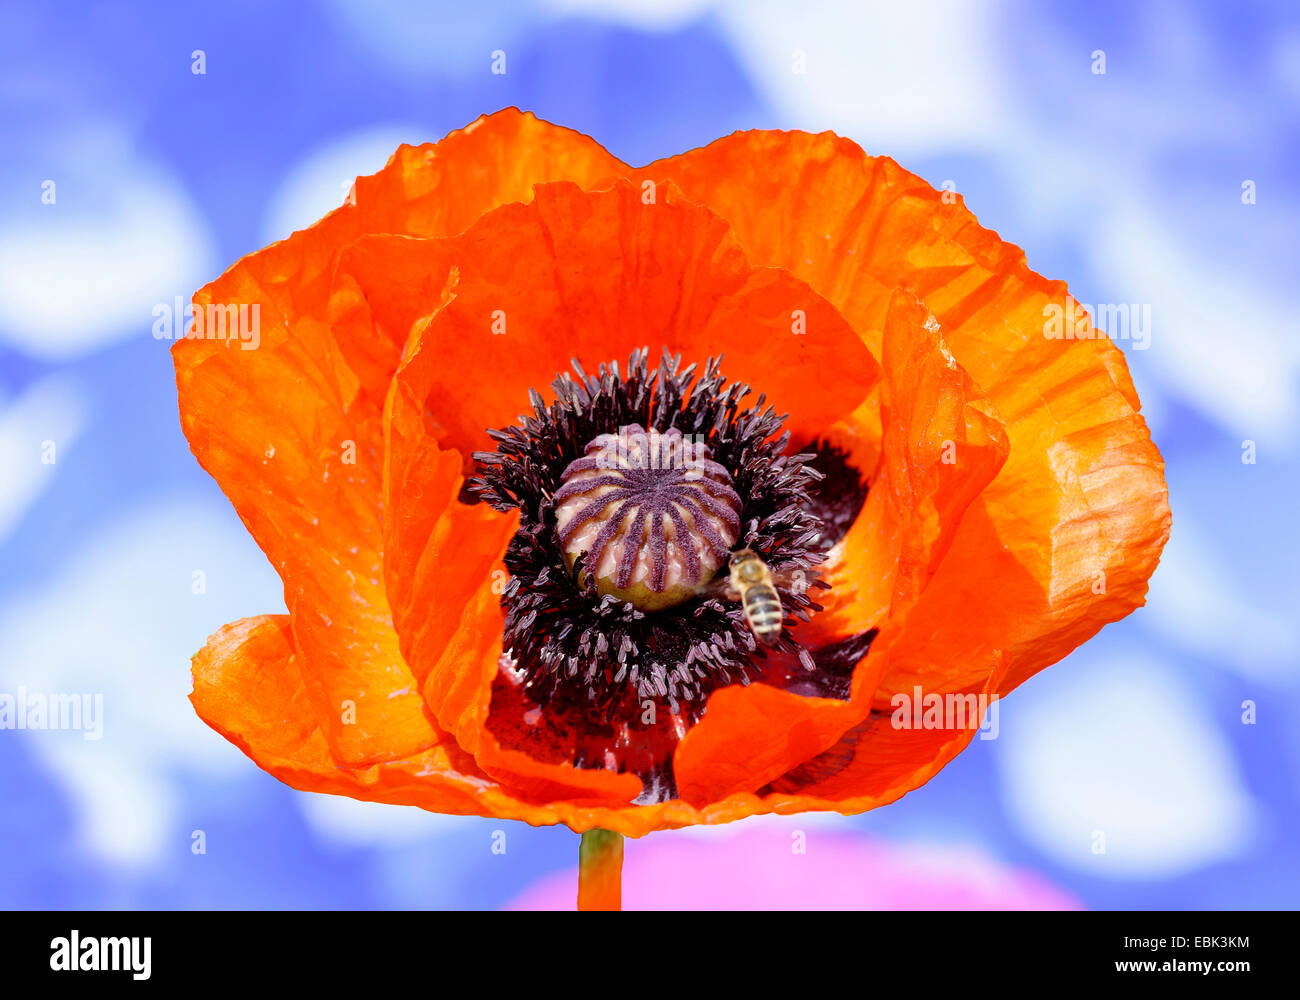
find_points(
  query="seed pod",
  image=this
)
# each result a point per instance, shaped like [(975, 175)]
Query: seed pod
[(655, 515)]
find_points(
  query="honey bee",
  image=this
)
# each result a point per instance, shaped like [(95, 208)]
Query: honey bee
[(751, 584)]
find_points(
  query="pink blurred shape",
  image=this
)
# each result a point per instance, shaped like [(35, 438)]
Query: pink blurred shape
[(762, 870)]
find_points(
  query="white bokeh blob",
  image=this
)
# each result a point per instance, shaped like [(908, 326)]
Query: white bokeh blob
[(1122, 749), (119, 618), (122, 236)]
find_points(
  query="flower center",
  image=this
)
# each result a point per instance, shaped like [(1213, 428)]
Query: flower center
[(633, 487), (649, 515)]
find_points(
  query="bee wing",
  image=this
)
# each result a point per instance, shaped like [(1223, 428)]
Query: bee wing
[(797, 580)]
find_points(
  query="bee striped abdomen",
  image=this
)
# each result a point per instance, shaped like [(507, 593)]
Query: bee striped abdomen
[(763, 612), (751, 582)]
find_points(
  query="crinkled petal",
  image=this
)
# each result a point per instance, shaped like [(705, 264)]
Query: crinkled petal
[(272, 426), (891, 751), (941, 448), (290, 428), (249, 689), (593, 276), (435, 190), (1073, 527)]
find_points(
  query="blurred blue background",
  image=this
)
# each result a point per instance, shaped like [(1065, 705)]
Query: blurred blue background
[(1127, 183)]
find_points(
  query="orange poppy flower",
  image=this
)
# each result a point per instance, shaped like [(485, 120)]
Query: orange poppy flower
[(524, 617)]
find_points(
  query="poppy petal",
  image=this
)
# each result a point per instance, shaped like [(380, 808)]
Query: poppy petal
[(304, 478), (1074, 525), (436, 190), (248, 687), (444, 572), (303, 475), (437, 550), (941, 448), (593, 276), (888, 754)]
